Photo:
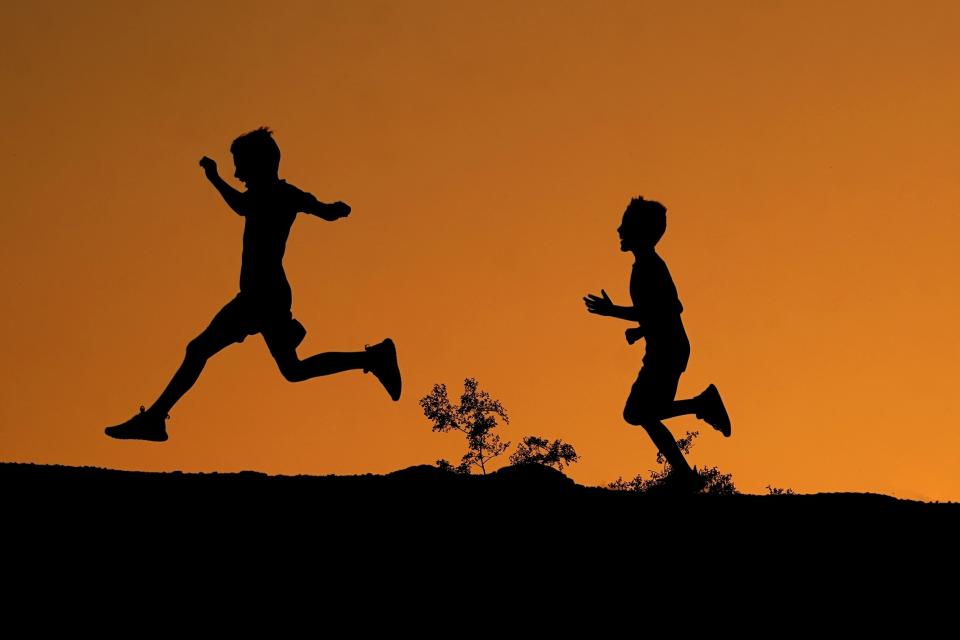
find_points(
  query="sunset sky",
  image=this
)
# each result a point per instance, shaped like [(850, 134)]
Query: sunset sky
[(806, 152)]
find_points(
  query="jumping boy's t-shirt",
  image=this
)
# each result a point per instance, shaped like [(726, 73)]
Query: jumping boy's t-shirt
[(655, 298), (269, 216)]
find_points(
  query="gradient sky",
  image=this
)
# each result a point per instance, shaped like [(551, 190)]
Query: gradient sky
[(806, 152)]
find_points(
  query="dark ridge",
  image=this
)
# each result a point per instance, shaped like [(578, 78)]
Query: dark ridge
[(423, 512), (514, 488)]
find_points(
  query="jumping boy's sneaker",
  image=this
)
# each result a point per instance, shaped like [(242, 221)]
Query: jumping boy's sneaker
[(383, 364), (712, 410), (143, 426)]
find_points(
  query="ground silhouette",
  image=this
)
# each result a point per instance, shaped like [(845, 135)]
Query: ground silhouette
[(422, 499)]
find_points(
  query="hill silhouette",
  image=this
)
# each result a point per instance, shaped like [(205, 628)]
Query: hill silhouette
[(517, 503), (432, 539)]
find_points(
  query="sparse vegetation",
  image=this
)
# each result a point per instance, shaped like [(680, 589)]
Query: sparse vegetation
[(777, 491), (475, 416), (536, 450), (717, 483)]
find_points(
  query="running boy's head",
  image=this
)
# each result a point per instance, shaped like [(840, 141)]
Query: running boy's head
[(644, 223), (256, 157)]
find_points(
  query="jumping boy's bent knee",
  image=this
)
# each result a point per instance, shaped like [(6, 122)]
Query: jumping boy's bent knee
[(637, 417), (291, 368)]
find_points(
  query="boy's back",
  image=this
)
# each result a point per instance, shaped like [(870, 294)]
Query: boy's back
[(658, 309), (652, 290)]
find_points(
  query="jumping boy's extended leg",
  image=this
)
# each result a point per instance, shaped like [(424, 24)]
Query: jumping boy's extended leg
[(200, 349), (150, 424), (380, 360)]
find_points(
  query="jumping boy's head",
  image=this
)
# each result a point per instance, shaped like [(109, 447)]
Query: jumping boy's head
[(644, 223), (256, 157)]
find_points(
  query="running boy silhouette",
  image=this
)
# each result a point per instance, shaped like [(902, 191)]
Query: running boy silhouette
[(656, 308), (269, 206)]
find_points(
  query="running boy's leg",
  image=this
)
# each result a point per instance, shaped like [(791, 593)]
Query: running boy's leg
[(708, 406), (650, 398)]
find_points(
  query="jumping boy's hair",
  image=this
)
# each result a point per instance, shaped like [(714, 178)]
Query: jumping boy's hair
[(649, 216), (259, 147)]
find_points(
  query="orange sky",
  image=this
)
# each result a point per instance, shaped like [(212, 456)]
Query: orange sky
[(806, 152)]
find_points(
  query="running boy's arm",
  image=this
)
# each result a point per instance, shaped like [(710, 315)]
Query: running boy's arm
[(234, 199), (603, 306)]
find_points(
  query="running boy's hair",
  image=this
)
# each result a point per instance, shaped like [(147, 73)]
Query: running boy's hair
[(648, 218)]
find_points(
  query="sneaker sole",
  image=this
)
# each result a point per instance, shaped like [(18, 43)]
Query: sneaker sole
[(162, 438)]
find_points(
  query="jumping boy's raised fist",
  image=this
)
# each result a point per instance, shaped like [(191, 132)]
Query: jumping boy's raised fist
[(209, 166)]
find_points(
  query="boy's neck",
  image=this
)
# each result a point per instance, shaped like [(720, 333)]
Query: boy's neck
[(644, 252), (266, 184)]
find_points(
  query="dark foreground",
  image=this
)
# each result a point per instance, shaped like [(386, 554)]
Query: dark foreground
[(428, 543), (517, 503)]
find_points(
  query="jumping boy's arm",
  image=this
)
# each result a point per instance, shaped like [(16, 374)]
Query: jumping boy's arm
[(329, 212), (603, 306), (307, 203), (234, 199)]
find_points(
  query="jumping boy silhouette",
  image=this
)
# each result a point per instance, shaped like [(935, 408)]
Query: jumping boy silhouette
[(269, 206), (656, 308)]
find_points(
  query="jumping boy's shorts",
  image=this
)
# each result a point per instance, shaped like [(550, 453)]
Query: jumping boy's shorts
[(247, 315)]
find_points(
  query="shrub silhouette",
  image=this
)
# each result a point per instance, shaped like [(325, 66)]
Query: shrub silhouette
[(536, 450), (475, 417), (779, 491), (717, 483)]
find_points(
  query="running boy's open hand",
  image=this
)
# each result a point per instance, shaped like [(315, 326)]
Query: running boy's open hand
[(209, 167), (602, 306)]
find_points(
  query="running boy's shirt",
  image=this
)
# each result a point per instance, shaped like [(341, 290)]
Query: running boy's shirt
[(653, 293), (270, 213)]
